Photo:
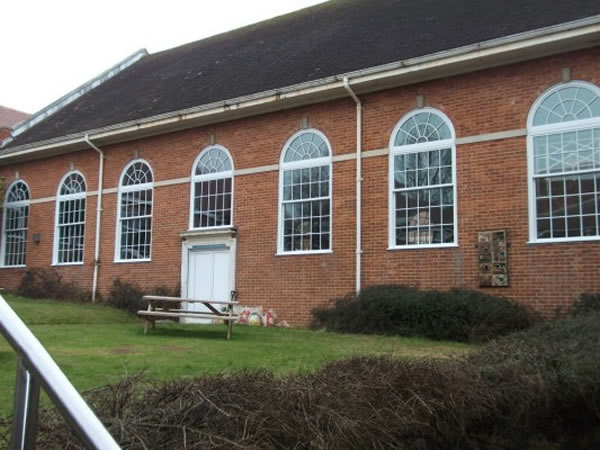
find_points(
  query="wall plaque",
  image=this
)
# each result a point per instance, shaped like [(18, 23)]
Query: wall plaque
[(492, 255)]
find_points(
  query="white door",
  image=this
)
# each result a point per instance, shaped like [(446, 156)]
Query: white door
[(209, 278)]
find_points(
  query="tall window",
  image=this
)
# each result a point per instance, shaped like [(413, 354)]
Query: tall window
[(305, 194), (564, 164), (16, 215), (134, 234), (212, 189), (422, 181), (70, 220)]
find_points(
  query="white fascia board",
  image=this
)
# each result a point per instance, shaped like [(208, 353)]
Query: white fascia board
[(569, 35)]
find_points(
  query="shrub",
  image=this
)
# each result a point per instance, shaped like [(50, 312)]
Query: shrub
[(457, 314), (537, 386), (48, 283), (585, 304), (563, 356), (126, 296), (129, 296)]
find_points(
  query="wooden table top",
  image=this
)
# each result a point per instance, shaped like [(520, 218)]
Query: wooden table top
[(188, 300)]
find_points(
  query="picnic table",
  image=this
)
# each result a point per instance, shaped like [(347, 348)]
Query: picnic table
[(162, 307)]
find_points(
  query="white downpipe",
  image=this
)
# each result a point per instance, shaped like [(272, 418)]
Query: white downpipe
[(359, 180), (98, 217)]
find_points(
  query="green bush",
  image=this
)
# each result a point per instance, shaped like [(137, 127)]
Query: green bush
[(48, 283), (457, 314), (585, 304), (129, 296)]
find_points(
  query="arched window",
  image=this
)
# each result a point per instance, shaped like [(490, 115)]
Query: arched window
[(134, 233), (564, 163), (16, 215), (422, 181), (305, 194), (212, 189), (70, 220)]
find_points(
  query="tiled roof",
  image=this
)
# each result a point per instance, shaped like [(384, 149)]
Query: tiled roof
[(10, 117), (328, 39)]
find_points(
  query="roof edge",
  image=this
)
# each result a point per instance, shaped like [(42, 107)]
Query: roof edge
[(522, 41), (75, 94)]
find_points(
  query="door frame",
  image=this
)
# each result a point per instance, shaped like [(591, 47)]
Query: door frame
[(208, 238)]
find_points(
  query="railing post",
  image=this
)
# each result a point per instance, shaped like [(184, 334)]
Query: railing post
[(25, 417), (38, 369)]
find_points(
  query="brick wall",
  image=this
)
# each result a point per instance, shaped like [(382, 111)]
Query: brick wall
[(491, 184)]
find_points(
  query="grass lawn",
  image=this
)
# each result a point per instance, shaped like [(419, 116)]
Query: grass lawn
[(96, 345)]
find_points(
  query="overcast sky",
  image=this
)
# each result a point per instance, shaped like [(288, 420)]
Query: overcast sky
[(49, 47)]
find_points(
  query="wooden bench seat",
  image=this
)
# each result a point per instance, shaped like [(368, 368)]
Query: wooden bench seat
[(184, 313), (158, 307)]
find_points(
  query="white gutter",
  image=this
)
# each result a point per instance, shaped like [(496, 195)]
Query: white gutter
[(581, 32), (359, 180), (98, 216)]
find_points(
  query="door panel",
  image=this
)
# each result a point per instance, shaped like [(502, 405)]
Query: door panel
[(208, 278)]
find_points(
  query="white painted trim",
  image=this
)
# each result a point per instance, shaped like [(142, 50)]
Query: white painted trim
[(374, 153), (255, 170), (133, 261), (547, 93), (42, 200), (132, 188), (520, 132), (565, 240), (60, 198), (421, 247), (500, 135), (528, 41), (544, 130), (213, 176), (3, 237), (66, 264), (316, 162), (417, 148), (171, 182), (344, 157), (307, 252)]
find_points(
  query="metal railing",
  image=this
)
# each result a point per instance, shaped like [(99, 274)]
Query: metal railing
[(35, 369)]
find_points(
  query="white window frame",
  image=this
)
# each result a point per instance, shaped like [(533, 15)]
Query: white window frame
[(63, 198), (417, 148), (132, 188), (305, 164), (548, 129), (208, 177), (17, 204)]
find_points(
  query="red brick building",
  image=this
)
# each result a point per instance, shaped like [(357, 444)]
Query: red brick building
[(8, 119), (348, 144)]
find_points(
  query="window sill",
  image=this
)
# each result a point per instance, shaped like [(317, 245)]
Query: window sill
[(564, 240), (131, 261), (13, 267), (307, 252), (422, 247), (67, 264)]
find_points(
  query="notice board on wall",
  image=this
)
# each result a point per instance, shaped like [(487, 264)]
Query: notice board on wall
[(493, 261)]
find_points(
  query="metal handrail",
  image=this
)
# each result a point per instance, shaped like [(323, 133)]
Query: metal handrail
[(36, 368)]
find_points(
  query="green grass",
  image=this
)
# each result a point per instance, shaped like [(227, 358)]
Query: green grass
[(96, 345)]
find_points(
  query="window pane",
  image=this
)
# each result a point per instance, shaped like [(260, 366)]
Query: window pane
[(306, 221), (424, 212), (15, 226)]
